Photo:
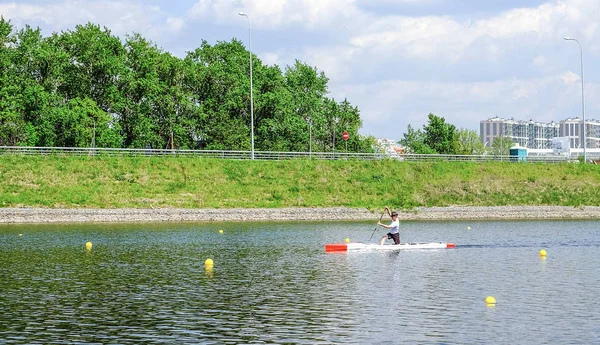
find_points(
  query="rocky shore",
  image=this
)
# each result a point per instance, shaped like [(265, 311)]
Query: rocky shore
[(39, 215)]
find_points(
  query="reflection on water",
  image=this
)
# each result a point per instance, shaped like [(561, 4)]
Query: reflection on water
[(273, 283)]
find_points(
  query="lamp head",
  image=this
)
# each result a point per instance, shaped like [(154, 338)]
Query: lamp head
[(242, 14)]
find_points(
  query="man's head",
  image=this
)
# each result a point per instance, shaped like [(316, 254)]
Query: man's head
[(394, 214)]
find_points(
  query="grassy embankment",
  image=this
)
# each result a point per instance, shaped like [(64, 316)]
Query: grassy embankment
[(142, 182)]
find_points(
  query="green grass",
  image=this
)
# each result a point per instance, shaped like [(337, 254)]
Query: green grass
[(143, 182)]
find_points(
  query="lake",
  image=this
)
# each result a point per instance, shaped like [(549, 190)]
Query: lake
[(274, 283)]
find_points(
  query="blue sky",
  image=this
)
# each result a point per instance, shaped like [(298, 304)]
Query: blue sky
[(397, 60)]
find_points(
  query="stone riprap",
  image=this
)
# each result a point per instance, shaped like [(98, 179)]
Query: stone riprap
[(42, 215)]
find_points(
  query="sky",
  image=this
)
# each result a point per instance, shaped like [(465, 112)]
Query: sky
[(396, 60)]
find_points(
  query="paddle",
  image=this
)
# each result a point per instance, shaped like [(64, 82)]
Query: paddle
[(376, 226)]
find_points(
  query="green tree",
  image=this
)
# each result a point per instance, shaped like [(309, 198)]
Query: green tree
[(439, 135), (159, 109), (41, 63), (11, 103), (308, 88), (80, 123), (276, 126), (97, 63), (414, 140), (174, 109), (347, 119), (85, 86), (500, 146), (221, 85), (467, 142), (140, 86)]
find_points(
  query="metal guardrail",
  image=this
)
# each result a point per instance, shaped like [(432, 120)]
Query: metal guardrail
[(223, 154), (487, 158), (270, 155)]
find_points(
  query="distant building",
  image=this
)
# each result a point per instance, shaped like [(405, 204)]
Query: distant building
[(572, 128), (530, 134), (539, 135), (390, 147)]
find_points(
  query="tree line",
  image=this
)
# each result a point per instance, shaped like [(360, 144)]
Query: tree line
[(87, 87), (440, 137)]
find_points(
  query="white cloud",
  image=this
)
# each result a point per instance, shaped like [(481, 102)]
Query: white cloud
[(396, 103), (570, 78), (20, 11), (175, 23), (271, 59), (121, 17), (431, 36), (396, 2), (338, 62), (539, 60), (368, 36), (277, 14), (200, 9)]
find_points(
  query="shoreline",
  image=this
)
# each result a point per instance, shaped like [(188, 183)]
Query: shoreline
[(42, 215)]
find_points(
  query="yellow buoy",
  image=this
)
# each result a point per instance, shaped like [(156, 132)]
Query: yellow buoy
[(20, 234), (208, 263), (543, 253), (347, 240), (88, 246), (490, 300), (220, 231), (468, 228), (209, 272)]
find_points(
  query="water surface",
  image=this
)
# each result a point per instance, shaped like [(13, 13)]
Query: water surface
[(273, 283)]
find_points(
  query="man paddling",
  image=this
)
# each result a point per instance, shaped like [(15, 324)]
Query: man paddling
[(393, 234)]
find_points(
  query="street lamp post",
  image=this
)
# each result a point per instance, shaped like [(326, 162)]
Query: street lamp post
[(251, 96), (582, 99), (310, 136), (334, 128), (94, 135)]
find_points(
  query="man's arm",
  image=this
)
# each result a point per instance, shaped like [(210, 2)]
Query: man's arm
[(385, 226)]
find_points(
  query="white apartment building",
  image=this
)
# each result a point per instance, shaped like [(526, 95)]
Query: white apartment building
[(530, 134), (538, 135), (572, 128)]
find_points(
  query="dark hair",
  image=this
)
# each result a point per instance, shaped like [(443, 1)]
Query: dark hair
[(394, 213)]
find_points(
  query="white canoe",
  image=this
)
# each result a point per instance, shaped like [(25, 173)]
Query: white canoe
[(346, 247)]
